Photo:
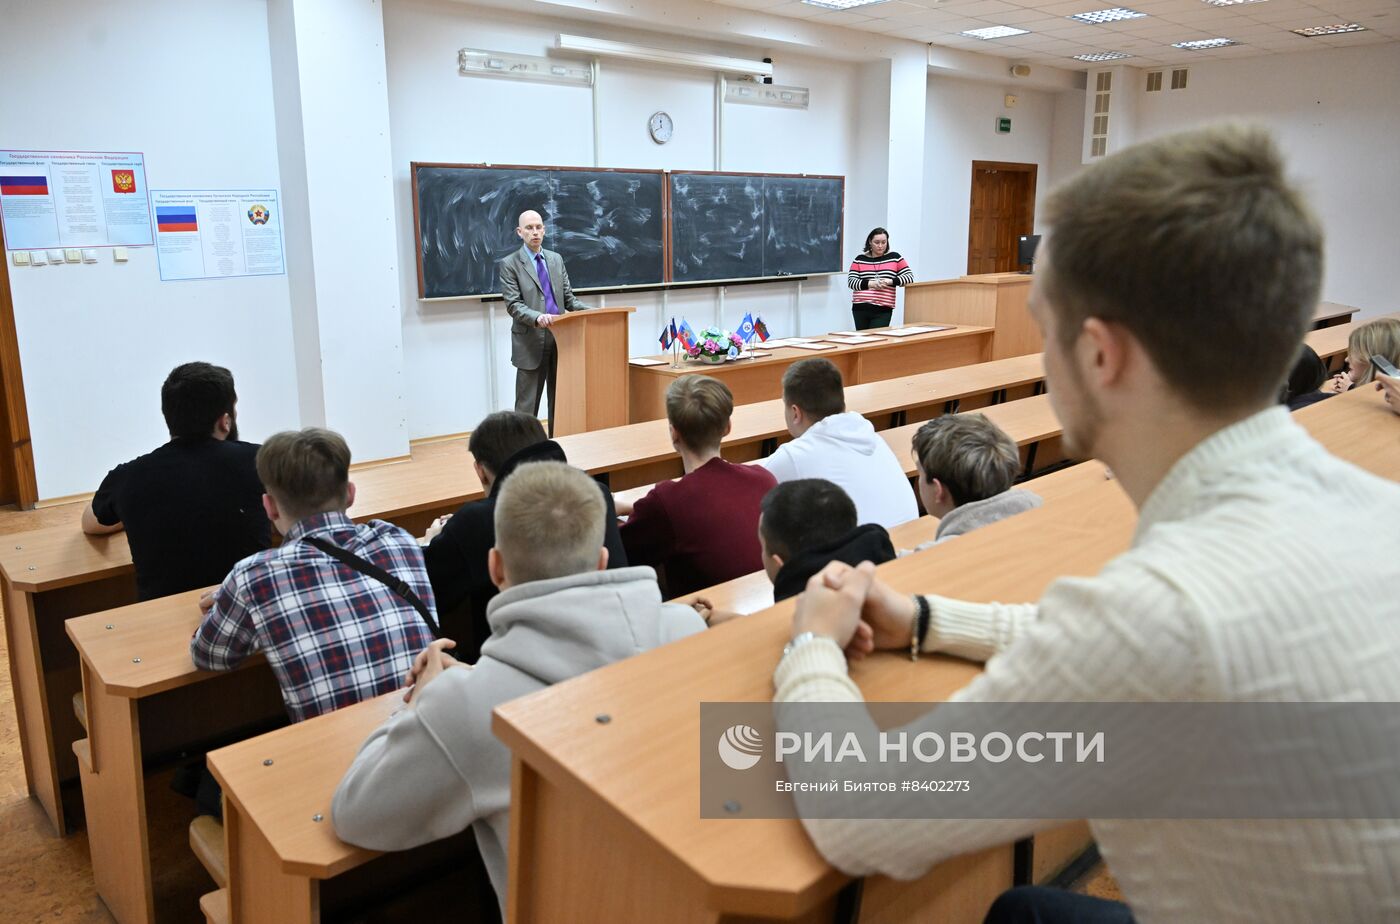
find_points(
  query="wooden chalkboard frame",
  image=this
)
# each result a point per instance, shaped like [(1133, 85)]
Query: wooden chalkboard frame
[(667, 281)]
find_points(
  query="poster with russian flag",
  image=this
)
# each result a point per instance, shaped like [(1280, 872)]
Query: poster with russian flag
[(212, 233), (52, 199)]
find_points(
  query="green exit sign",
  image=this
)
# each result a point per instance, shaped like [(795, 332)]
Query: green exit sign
[(1004, 125)]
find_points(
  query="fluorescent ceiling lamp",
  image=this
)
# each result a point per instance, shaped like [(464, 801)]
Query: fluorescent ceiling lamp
[(605, 48), (1231, 2), (1338, 29), (995, 32), (472, 62), (1101, 56), (1113, 15), (1200, 44), (841, 4), (766, 94)]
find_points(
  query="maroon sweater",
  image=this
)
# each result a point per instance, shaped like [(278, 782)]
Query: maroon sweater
[(701, 529)]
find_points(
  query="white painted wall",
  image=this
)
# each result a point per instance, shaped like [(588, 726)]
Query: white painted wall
[(1066, 138), (436, 115), (1337, 117), (962, 128), (96, 340)]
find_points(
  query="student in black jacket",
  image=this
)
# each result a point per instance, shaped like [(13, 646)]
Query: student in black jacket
[(805, 525), (456, 556)]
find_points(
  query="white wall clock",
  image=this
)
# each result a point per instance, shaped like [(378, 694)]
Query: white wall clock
[(661, 127)]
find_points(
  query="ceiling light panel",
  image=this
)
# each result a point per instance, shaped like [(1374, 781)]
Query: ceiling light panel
[(1338, 29), (994, 32), (1114, 15), (1101, 56), (841, 4), (1231, 2), (1201, 44)]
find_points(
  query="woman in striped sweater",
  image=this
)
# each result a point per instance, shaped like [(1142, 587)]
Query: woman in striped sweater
[(873, 277)]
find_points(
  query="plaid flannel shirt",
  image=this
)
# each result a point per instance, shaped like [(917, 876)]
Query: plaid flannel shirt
[(333, 636)]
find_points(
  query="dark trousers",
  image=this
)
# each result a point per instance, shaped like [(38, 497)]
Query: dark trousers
[(1042, 905), (530, 384), (868, 316)]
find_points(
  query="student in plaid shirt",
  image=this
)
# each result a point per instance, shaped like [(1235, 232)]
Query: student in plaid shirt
[(333, 636)]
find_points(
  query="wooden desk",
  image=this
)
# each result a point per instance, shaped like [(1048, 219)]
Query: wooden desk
[(1357, 426), (1332, 314), (633, 780), (145, 700), (995, 300), (761, 379), (54, 574)]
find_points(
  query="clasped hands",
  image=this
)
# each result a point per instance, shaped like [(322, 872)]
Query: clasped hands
[(855, 609), (431, 662)]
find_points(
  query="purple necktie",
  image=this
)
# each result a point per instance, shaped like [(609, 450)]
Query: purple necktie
[(550, 306)]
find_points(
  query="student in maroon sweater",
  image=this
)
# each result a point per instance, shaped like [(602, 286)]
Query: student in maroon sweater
[(701, 529)]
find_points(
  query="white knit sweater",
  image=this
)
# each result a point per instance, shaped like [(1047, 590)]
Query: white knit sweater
[(1263, 570)]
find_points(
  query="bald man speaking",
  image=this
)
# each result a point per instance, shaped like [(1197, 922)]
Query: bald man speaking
[(535, 286)]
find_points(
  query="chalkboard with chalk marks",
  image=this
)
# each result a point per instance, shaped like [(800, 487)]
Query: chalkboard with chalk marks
[(619, 228), (744, 226), (607, 224)]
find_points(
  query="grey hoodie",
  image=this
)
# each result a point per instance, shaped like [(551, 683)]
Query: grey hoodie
[(434, 767), (970, 516)]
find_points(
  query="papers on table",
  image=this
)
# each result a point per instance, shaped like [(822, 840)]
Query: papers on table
[(853, 339), (647, 361), (911, 331), (814, 346)]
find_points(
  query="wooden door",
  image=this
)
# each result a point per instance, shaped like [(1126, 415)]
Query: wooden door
[(1003, 209), (17, 481)]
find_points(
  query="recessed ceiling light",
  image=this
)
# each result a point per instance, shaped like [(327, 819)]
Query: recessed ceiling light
[(841, 4), (1101, 56), (995, 32), (1338, 29), (1113, 15), (1205, 43), (1231, 2)]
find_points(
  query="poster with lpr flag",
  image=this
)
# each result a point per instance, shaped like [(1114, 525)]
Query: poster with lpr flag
[(74, 199)]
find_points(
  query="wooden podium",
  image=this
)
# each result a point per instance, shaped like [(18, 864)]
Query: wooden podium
[(591, 392), (996, 300)]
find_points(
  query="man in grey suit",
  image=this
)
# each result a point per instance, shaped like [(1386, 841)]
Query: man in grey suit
[(535, 286)]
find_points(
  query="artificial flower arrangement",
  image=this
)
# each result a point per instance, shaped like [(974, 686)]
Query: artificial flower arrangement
[(713, 345)]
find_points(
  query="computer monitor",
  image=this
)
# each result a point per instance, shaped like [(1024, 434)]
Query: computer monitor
[(1025, 252)]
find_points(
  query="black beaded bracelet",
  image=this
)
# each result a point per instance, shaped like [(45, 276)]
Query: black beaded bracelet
[(920, 627)]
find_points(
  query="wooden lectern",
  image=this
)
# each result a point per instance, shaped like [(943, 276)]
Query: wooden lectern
[(996, 300), (591, 391)]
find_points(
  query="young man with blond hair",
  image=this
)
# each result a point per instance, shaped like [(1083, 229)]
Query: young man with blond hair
[(332, 633), (701, 529), (1173, 288), (966, 466), (434, 769)]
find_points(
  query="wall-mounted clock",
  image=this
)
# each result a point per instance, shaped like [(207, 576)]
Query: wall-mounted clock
[(661, 127)]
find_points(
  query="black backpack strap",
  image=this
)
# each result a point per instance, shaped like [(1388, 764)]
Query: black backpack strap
[(397, 585)]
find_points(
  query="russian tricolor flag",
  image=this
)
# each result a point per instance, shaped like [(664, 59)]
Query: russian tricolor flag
[(24, 186), (175, 218)]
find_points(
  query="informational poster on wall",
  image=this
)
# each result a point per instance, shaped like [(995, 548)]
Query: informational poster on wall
[(74, 199), (214, 233)]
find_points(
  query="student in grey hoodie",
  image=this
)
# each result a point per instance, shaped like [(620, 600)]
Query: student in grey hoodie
[(435, 768), (966, 466), (838, 445)]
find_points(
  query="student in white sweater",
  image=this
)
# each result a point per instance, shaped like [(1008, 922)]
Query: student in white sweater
[(839, 445), (1173, 289), (435, 768)]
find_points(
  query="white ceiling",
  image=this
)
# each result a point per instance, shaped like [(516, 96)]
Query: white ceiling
[(1261, 27)]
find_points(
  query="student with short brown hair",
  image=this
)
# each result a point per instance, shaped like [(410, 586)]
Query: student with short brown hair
[(333, 633), (701, 529), (966, 468), (839, 445)]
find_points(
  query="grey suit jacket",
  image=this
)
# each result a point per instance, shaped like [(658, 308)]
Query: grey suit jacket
[(524, 298)]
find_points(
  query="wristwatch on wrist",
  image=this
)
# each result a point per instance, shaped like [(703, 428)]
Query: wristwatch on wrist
[(799, 640)]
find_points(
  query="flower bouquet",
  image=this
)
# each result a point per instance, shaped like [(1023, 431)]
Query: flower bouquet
[(713, 345)]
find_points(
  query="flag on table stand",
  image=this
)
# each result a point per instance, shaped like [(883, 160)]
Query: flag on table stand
[(686, 335), (668, 335), (760, 330), (746, 328)]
